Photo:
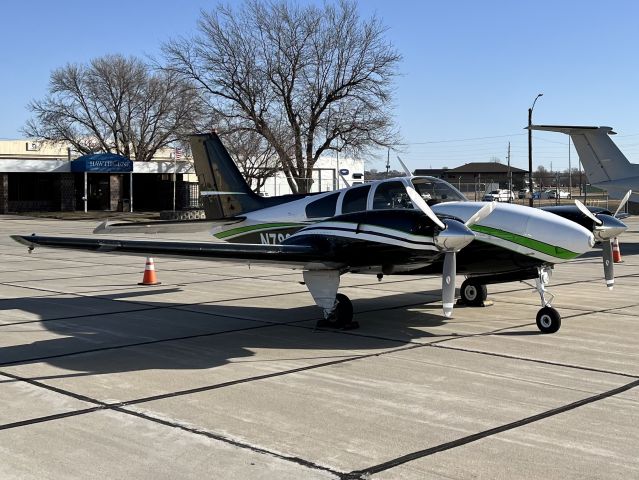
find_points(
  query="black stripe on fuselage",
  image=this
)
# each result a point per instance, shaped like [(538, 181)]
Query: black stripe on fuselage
[(357, 231)]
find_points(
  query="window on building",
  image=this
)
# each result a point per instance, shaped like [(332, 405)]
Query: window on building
[(322, 207), (355, 199)]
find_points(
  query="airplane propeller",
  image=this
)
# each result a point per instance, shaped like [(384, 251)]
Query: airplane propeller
[(482, 213), (453, 237), (605, 229), (423, 206), (623, 202)]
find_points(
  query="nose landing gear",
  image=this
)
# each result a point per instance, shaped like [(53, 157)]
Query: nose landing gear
[(548, 318)]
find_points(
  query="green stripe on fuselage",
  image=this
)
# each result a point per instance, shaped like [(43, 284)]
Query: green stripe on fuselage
[(255, 228), (552, 250)]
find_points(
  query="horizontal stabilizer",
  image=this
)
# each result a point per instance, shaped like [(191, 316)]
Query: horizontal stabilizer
[(604, 164)]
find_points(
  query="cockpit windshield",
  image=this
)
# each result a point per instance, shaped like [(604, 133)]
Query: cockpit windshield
[(435, 190)]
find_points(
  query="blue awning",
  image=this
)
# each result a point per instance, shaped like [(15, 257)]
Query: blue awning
[(102, 162)]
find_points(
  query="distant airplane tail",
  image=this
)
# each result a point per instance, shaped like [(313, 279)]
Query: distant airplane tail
[(601, 158), (224, 192)]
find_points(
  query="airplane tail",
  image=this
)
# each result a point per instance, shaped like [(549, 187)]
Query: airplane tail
[(601, 158), (224, 192)]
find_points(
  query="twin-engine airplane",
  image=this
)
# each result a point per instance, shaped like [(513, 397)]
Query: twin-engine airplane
[(384, 227)]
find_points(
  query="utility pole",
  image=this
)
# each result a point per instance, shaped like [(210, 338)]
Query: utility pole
[(569, 169), (387, 162), (510, 175), (530, 167)]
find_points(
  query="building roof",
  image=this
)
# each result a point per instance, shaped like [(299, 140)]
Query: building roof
[(485, 167)]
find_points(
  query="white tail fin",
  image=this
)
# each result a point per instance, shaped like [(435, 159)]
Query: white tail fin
[(602, 160)]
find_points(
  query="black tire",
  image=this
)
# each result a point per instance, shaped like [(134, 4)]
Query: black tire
[(344, 310), (548, 320), (473, 293)]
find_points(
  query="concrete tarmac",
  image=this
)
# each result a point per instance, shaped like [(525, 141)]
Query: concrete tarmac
[(219, 372)]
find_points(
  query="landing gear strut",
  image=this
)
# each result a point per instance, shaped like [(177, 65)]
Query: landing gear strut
[(337, 308), (548, 319)]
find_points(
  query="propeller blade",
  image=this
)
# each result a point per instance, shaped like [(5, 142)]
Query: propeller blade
[(406, 170), (583, 209), (448, 283), (482, 213), (609, 269), (624, 200), (423, 206)]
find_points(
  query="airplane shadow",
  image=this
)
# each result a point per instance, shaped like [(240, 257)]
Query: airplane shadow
[(626, 248), (157, 335)]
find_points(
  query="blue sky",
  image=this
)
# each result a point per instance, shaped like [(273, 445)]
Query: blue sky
[(471, 69)]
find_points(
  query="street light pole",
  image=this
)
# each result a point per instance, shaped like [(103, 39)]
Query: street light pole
[(530, 182)]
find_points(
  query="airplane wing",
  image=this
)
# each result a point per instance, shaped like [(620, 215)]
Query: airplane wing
[(164, 226), (284, 255)]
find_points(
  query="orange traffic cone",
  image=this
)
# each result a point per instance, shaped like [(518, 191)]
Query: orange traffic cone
[(149, 277), (616, 253)]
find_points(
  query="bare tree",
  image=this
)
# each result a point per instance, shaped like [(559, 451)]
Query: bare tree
[(115, 104), (306, 78), (542, 176), (254, 155)]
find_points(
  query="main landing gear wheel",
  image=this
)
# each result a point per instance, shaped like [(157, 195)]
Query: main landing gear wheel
[(473, 293), (548, 320), (342, 315)]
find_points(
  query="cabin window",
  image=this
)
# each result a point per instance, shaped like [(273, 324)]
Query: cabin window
[(391, 195), (322, 207), (355, 199)]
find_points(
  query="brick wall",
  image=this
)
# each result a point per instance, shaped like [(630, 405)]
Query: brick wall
[(115, 186)]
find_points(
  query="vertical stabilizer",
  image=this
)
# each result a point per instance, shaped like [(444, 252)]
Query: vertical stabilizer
[(223, 191), (601, 158)]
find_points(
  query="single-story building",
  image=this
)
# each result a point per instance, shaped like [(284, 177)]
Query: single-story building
[(42, 177), (477, 177), (37, 176)]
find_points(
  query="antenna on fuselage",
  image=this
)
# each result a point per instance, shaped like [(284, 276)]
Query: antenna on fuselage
[(406, 170)]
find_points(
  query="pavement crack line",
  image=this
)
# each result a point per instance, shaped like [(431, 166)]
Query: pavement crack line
[(487, 433), (357, 474)]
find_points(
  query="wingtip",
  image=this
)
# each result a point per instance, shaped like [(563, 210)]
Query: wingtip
[(23, 240)]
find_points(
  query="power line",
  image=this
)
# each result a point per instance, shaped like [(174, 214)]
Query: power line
[(464, 139)]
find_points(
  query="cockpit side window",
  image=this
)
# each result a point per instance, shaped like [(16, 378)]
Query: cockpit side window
[(434, 190), (355, 199), (322, 207), (391, 195)]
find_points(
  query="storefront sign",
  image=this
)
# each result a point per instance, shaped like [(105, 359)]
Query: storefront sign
[(103, 163)]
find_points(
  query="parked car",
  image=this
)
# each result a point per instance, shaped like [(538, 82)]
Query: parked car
[(553, 193), (500, 195), (523, 193), (539, 195), (564, 194)]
